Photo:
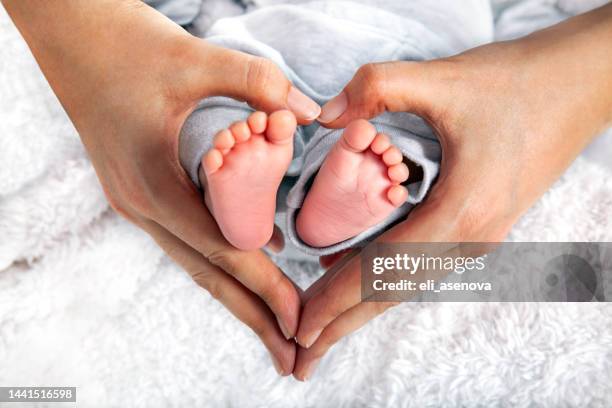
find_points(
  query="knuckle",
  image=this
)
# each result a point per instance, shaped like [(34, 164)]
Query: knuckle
[(118, 206), (135, 195), (209, 283), (214, 289), (373, 77), (273, 286), (223, 259), (123, 212), (369, 99), (261, 73), (140, 203), (175, 253)]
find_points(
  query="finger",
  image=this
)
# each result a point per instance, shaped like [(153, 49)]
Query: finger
[(431, 222), (327, 261), (277, 241), (328, 275), (255, 80), (242, 303), (351, 320), (415, 87), (355, 317), (179, 209), (341, 291)]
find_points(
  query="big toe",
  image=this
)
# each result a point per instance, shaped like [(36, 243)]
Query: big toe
[(281, 127), (358, 136)]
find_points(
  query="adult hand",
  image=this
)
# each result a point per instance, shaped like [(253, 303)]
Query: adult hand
[(128, 78), (511, 117)]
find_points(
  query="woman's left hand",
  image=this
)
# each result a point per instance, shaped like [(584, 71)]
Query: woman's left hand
[(510, 117)]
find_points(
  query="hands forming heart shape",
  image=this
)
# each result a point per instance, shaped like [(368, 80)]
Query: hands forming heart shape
[(505, 113)]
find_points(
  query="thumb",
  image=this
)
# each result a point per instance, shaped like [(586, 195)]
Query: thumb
[(390, 86), (255, 80)]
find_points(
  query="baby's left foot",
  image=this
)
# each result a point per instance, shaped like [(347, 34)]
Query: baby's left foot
[(357, 187), (241, 175)]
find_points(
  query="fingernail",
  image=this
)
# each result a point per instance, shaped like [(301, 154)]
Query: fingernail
[(301, 105), (310, 368), (277, 365), (333, 109), (309, 341), (273, 247), (284, 329)]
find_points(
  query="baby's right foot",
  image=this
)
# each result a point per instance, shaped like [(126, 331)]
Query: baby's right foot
[(357, 187), (241, 175)]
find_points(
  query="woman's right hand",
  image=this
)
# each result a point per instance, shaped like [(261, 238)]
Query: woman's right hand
[(128, 78), (510, 117)]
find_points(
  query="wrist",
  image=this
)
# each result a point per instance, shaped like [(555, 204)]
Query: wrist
[(573, 60), (120, 51)]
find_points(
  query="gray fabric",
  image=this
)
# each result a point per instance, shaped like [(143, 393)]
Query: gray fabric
[(211, 11), (319, 45), (517, 18), (416, 142), (181, 12)]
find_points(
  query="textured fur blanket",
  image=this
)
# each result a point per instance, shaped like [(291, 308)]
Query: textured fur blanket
[(88, 300)]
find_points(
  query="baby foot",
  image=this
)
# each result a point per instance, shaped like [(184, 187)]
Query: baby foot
[(357, 187), (241, 175)]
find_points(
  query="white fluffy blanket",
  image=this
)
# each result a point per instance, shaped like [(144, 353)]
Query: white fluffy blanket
[(87, 300)]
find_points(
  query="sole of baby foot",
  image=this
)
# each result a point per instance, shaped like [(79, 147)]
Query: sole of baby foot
[(241, 175), (357, 187)]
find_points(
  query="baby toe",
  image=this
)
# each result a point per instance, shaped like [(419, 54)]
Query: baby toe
[(241, 131), (258, 122), (397, 195), (398, 173), (358, 136), (212, 161), (392, 156), (224, 140), (380, 143)]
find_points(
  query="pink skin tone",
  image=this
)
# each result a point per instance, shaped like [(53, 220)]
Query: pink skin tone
[(242, 173), (357, 186)]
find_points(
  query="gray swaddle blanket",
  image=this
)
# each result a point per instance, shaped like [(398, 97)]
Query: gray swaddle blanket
[(319, 45)]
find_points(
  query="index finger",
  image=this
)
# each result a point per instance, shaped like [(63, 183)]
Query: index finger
[(179, 208), (242, 303), (342, 291)]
